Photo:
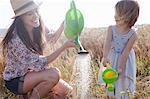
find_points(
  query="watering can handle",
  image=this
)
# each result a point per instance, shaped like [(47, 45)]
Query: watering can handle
[(72, 6), (76, 18)]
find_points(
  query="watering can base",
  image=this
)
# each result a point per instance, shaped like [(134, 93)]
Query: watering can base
[(83, 52), (111, 88)]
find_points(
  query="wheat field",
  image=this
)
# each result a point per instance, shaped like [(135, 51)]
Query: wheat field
[(93, 40)]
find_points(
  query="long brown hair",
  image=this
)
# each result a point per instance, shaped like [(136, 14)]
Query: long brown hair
[(38, 36)]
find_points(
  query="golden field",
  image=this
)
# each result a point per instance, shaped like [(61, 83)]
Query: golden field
[(93, 40)]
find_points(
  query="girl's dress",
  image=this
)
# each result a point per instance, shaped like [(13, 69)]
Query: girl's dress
[(125, 86)]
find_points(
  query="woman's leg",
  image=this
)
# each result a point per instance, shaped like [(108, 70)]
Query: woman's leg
[(40, 83), (62, 88)]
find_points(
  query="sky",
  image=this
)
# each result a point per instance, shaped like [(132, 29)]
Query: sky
[(96, 13)]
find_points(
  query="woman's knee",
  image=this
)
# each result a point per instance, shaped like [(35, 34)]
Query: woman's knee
[(57, 71), (52, 74)]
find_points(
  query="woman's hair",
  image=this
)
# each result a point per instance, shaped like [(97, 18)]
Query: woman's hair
[(38, 36), (128, 11)]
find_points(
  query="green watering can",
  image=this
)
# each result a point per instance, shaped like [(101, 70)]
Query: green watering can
[(73, 25), (109, 76)]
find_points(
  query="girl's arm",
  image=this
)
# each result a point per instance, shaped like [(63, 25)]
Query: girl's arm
[(52, 38), (107, 44), (125, 54)]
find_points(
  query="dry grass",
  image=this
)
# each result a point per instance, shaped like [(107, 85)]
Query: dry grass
[(92, 40)]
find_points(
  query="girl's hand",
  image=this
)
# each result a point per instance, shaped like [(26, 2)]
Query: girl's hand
[(70, 43), (105, 61), (119, 70)]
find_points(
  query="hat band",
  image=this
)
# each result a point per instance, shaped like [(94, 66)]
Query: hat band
[(23, 7)]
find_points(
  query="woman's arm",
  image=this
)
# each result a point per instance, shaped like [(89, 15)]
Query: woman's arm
[(107, 44), (31, 60), (125, 54), (52, 38), (55, 54), (24, 56)]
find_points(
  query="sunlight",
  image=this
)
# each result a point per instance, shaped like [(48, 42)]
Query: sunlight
[(97, 13)]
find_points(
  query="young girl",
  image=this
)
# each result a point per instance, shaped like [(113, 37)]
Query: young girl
[(118, 49)]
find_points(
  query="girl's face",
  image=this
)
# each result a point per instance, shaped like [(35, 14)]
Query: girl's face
[(31, 19), (118, 19)]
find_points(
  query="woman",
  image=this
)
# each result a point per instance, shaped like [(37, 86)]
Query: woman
[(26, 69)]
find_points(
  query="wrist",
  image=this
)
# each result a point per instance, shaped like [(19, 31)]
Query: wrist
[(104, 56), (119, 66), (105, 60), (64, 47), (61, 28)]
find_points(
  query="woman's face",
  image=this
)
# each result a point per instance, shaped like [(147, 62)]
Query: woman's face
[(31, 19)]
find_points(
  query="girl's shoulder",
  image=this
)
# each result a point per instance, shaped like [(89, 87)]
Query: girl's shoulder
[(111, 28), (132, 32), (128, 34)]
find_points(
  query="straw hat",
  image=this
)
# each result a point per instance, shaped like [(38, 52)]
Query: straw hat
[(22, 6)]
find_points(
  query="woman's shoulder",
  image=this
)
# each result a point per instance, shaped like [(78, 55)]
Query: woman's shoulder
[(15, 38)]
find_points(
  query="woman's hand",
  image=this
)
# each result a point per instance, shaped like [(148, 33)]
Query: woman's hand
[(56, 53), (70, 43)]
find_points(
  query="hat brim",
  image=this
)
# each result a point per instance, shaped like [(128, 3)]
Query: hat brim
[(27, 9)]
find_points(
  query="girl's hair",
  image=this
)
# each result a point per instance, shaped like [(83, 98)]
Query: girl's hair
[(128, 11), (18, 26)]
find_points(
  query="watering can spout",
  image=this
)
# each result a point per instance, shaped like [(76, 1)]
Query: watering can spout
[(82, 50)]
